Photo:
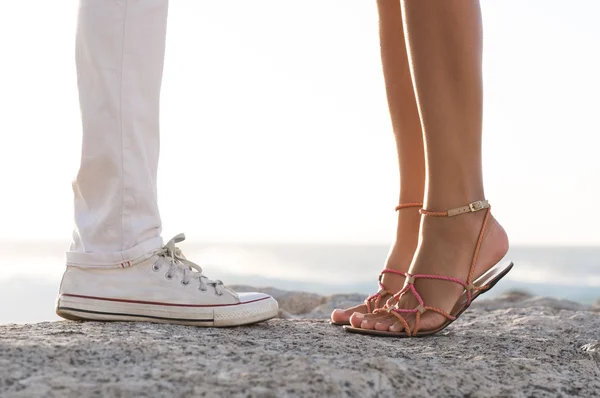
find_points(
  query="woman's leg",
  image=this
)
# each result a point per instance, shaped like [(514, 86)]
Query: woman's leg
[(409, 144), (445, 50)]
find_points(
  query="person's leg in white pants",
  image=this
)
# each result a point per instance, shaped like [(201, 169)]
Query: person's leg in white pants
[(117, 267), (119, 52)]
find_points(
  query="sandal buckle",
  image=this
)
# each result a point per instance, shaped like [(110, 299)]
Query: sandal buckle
[(476, 206)]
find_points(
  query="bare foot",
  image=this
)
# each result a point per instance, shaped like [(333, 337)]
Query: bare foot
[(399, 259), (446, 248)]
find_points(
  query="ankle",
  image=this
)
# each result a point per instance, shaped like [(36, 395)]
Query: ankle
[(453, 231), (408, 223), (459, 235), (407, 238), (440, 201)]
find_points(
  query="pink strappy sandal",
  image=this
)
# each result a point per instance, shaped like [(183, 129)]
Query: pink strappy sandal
[(472, 288), (372, 302)]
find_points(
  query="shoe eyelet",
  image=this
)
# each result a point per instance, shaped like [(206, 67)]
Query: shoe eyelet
[(185, 283), (155, 268), (202, 290), (168, 276)]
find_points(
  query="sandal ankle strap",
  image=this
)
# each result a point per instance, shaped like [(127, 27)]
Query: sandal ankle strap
[(407, 205), (470, 208)]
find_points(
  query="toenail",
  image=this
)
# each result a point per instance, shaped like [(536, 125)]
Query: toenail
[(359, 315)]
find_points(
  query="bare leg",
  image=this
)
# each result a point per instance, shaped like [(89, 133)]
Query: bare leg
[(409, 143), (445, 48)]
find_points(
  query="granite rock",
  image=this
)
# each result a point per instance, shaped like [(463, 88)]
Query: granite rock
[(523, 348), (291, 302)]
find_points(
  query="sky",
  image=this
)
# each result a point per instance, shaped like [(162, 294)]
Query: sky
[(275, 126)]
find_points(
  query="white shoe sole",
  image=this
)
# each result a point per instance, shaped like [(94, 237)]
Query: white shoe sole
[(77, 307)]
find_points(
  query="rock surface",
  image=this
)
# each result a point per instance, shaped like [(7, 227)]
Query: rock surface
[(596, 306), (512, 346), (293, 303)]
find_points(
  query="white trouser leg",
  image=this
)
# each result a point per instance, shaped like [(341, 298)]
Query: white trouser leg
[(120, 51)]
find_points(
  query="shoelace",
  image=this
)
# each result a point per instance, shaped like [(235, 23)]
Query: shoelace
[(190, 270)]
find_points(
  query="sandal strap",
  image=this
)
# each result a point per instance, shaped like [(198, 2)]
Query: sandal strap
[(407, 205), (403, 321), (418, 311), (410, 279), (467, 285), (382, 289), (470, 208)]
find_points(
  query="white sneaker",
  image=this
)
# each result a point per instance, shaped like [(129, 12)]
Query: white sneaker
[(166, 288)]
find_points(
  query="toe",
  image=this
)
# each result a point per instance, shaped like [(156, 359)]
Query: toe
[(397, 327), (369, 320), (342, 316), (339, 316), (385, 323), (356, 319)]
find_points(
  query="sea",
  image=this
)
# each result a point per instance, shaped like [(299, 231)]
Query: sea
[(30, 271)]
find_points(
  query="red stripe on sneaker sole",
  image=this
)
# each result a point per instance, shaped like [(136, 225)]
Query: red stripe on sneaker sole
[(157, 303)]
